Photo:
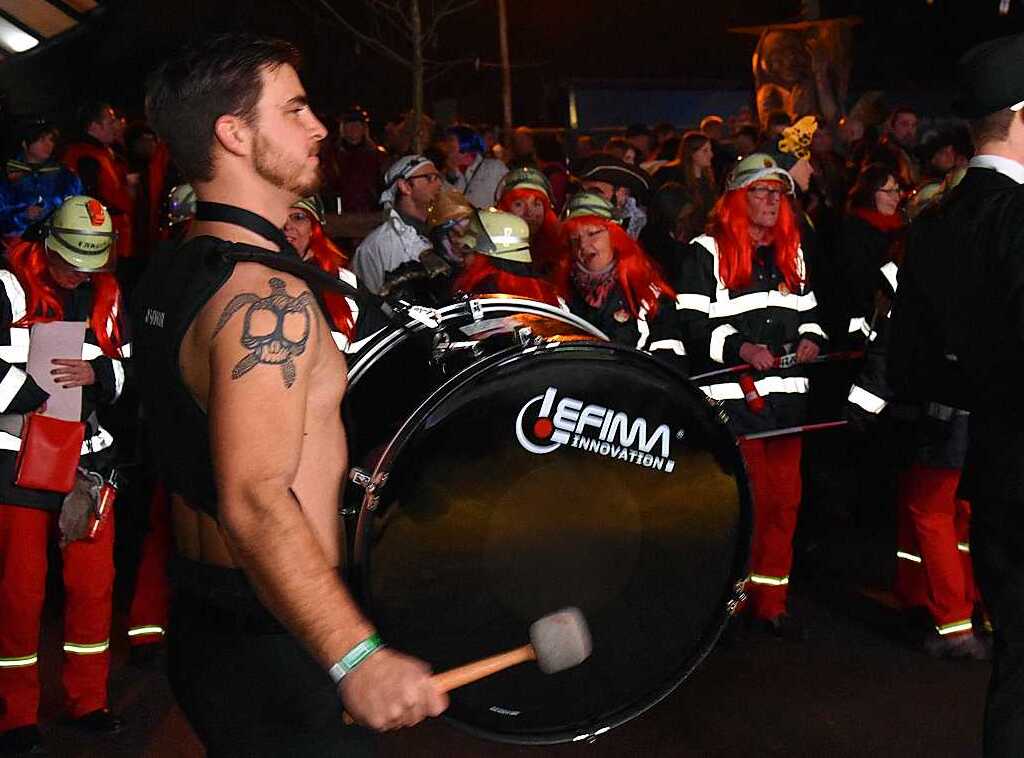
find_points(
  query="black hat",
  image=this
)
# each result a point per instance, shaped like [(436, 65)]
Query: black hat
[(605, 167), (991, 77), (355, 114)]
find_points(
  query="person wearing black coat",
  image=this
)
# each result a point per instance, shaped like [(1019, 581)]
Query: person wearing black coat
[(958, 337), (871, 226)]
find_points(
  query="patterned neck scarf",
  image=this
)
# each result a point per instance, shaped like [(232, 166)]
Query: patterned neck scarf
[(594, 285)]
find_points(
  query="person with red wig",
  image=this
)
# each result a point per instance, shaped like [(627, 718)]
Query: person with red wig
[(745, 299), (304, 229), (500, 261), (614, 285), (527, 193), (66, 277)]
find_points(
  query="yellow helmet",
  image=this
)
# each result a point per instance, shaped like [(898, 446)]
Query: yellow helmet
[(81, 233), (499, 235), (314, 206)]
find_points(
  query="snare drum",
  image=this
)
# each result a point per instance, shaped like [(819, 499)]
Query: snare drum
[(560, 473)]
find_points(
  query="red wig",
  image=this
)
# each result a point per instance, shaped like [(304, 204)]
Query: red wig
[(329, 257), (546, 245), (637, 274), (483, 277), (42, 302), (729, 224)]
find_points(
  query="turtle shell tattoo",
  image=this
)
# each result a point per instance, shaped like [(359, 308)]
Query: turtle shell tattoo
[(274, 347)]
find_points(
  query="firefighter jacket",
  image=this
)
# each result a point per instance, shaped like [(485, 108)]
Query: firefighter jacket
[(19, 394), (718, 321), (863, 249), (659, 334), (105, 179), (930, 433), (31, 184)]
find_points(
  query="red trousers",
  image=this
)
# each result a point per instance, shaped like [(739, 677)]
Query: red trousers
[(773, 466), (147, 618), (88, 591), (933, 565)]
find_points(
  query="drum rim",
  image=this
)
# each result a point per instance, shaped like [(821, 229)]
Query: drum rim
[(398, 335), (731, 594)]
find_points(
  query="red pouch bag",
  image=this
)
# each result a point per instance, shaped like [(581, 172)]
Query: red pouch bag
[(50, 451)]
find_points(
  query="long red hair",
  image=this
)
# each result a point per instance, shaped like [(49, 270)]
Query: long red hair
[(329, 258), (482, 277), (729, 224), (637, 273), (545, 246), (42, 302)]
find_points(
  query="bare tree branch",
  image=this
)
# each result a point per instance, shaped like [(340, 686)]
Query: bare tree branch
[(447, 9), (366, 39)]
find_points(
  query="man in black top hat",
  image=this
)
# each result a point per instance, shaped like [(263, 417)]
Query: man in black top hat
[(958, 341), (621, 184)]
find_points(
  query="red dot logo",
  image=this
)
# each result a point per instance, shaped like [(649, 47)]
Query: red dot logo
[(543, 428)]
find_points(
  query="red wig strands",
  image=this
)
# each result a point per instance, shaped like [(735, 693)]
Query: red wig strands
[(482, 277), (636, 272), (729, 224), (545, 246), (329, 258), (42, 303)]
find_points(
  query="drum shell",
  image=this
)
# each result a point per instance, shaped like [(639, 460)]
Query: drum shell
[(468, 536)]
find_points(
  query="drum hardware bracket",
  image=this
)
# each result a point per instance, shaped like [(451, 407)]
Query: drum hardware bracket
[(739, 597), (476, 310), (526, 338), (443, 344), (369, 484)]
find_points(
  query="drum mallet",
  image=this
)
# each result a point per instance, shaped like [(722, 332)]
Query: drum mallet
[(558, 642)]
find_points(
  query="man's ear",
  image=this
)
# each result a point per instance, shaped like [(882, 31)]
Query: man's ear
[(233, 134), (404, 187)]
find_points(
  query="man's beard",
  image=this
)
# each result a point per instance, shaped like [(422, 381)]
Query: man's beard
[(292, 176)]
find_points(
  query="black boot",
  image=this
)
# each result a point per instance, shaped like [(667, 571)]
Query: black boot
[(101, 721), (24, 740)]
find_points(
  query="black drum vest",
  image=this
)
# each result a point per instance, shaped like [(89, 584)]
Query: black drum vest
[(176, 286)]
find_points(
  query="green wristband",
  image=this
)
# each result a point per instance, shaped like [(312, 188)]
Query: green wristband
[(351, 660)]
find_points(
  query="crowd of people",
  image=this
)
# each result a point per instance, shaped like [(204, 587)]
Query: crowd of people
[(740, 251)]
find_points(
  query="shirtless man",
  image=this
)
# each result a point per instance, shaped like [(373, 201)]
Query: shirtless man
[(244, 385)]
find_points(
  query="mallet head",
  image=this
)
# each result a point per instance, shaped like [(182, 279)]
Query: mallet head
[(561, 640)]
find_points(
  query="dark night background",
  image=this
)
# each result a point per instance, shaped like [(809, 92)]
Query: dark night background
[(904, 46)]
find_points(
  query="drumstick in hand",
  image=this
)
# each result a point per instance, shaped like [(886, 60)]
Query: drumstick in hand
[(558, 642)]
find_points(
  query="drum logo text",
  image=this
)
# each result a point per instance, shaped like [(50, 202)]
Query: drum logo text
[(593, 428)]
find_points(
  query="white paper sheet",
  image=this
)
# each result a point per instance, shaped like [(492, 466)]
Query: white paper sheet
[(56, 339)]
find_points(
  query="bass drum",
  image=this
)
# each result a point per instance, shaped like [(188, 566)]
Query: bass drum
[(395, 369), (547, 476)]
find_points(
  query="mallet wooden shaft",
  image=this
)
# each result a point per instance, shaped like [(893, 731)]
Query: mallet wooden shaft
[(472, 672)]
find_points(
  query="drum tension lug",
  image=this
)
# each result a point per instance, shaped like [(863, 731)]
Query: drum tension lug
[(476, 310), (360, 478)]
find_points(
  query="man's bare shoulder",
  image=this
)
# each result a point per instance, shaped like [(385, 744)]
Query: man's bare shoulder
[(261, 320)]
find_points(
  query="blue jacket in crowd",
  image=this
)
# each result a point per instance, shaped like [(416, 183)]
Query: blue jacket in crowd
[(27, 184)]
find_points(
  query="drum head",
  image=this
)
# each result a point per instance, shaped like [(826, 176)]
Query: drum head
[(540, 478)]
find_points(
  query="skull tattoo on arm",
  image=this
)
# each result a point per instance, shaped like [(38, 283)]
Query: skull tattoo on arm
[(264, 331)]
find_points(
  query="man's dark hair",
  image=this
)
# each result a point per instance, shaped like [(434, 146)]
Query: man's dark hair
[(995, 127), (221, 75), (778, 118), (91, 113), (638, 130), (899, 111), (746, 130), (36, 130)]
